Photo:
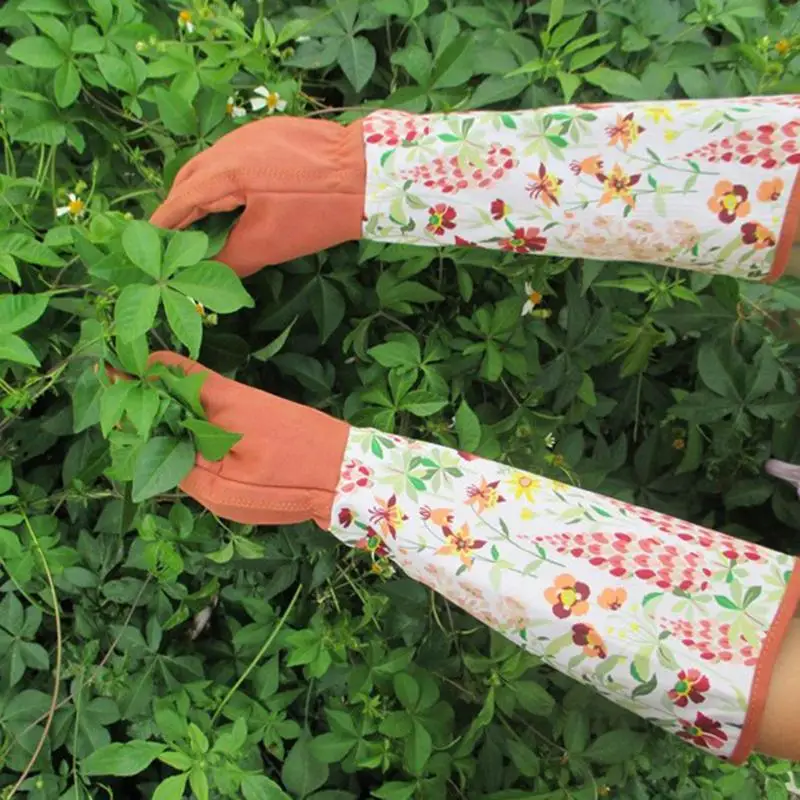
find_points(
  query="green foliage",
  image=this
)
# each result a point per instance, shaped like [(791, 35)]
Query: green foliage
[(152, 650)]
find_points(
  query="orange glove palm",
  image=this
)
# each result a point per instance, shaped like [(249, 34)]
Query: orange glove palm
[(300, 181)]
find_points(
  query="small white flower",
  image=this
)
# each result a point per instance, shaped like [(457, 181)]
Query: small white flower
[(185, 21), (301, 39), (534, 298), (549, 441), (266, 99), (76, 208), (234, 110)]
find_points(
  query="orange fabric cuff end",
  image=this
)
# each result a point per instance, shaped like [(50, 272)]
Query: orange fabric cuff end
[(769, 655), (787, 234)]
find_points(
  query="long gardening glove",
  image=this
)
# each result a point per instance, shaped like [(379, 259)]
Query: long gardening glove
[(706, 185), (675, 622)]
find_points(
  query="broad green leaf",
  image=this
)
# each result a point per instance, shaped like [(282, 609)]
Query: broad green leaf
[(331, 748), (184, 249), (133, 354), (199, 783), (614, 747), (406, 689), (419, 747), (86, 39), (276, 345), (141, 406), (714, 373), (260, 787), (122, 759), (160, 466), (171, 788), (175, 111), (112, 404), (37, 51), (183, 319), (12, 348), (556, 13), (302, 772), (328, 308), (9, 268), (66, 84), (86, 396), (357, 59), (615, 82), (402, 352), (117, 72), (213, 284), (135, 311), (212, 441), (588, 56), (142, 245), (422, 404), (468, 428), (25, 247), (18, 311)]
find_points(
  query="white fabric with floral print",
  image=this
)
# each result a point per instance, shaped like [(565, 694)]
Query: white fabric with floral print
[(695, 184), (661, 616)]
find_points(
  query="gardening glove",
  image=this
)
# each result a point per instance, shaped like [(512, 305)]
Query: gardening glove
[(705, 185), (300, 183), (676, 622)]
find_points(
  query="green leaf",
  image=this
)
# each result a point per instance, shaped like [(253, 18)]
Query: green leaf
[(260, 787), (12, 348), (199, 783), (276, 345), (133, 354), (135, 311), (402, 352), (556, 13), (212, 441), (714, 373), (18, 311), (9, 269), (213, 284), (588, 56), (86, 396), (422, 404), (117, 72), (112, 404), (141, 407), (302, 772), (160, 466), (185, 248), (615, 747), (468, 428), (331, 748), (419, 747), (406, 689), (67, 84), (615, 82), (122, 759), (534, 698), (183, 319), (142, 245), (171, 788), (328, 308), (175, 111), (37, 51), (86, 39), (357, 59)]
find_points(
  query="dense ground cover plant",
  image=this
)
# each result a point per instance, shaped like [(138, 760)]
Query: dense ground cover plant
[(149, 649)]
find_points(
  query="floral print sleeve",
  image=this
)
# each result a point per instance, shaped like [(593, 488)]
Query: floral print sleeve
[(676, 622), (704, 185)]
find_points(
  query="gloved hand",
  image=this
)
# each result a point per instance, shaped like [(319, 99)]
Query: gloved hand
[(286, 466), (300, 181)]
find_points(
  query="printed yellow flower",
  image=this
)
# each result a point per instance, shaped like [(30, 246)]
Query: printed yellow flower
[(264, 98), (618, 185), (671, 135), (625, 132), (185, 21), (387, 516), (460, 543), (76, 208), (524, 485), (657, 113)]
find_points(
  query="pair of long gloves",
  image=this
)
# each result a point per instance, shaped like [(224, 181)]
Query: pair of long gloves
[(679, 623)]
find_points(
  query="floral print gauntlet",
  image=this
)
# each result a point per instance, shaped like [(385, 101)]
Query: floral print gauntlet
[(678, 623), (705, 185)]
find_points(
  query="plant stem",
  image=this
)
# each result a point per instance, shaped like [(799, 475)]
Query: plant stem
[(259, 654)]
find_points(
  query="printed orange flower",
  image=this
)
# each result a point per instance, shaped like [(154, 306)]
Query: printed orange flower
[(484, 497), (625, 132), (524, 240), (729, 201), (438, 516), (612, 599), (500, 209), (460, 543), (388, 516), (690, 686), (769, 191), (704, 732), (756, 234), (589, 166), (568, 597), (440, 219), (589, 639), (546, 186), (618, 185)]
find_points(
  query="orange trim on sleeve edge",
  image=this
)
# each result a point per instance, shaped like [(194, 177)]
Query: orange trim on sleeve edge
[(766, 663), (788, 231)]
